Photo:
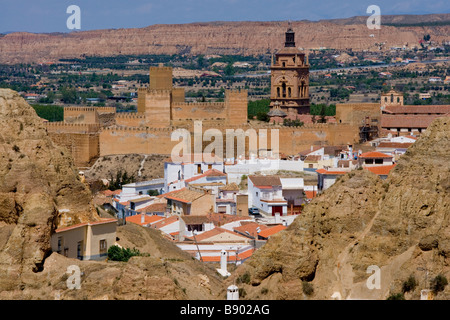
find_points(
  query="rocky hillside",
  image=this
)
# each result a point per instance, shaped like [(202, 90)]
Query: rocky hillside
[(39, 191), (245, 38), (141, 167), (400, 225)]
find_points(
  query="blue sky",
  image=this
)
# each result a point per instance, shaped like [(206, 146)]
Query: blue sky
[(51, 16)]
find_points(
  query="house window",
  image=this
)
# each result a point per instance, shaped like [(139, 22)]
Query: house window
[(209, 166), (368, 161), (199, 168), (257, 194), (222, 209), (80, 250), (378, 161), (310, 165), (59, 244), (103, 246), (66, 252)]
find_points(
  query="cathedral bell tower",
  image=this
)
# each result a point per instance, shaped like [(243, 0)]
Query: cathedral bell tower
[(290, 78)]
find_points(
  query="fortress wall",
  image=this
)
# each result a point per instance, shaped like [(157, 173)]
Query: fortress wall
[(122, 140), (130, 119), (160, 78), (178, 95), (101, 110), (80, 115), (158, 108), (355, 113), (198, 110), (141, 100), (83, 147), (71, 127), (126, 140), (236, 102)]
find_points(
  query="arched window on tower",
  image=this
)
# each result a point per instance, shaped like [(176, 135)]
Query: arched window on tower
[(283, 86), (289, 92), (392, 98), (278, 92)]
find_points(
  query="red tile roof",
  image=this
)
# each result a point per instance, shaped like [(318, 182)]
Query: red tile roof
[(251, 228), (231, 256), (165, 222), (148, 219), (374, 154), (311, 194), (407, 121), (265, 181), (92, 223), (209, 173), (184, 195), (423, 109), (271, 231), (324, 171), (213, 232), (154, 207), (380, 170)]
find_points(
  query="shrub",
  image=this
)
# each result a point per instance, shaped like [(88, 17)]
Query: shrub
[(307, 288), (438, 283), (245, 278), (410, 284), (396, 296), (116, 253)]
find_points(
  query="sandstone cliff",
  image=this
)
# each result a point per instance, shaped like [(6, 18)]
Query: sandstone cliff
[(39, 191), (244, 38), (400, 225)]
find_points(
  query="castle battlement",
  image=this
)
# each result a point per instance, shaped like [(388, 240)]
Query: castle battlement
[(89, 109), (105, 109), (126, 115), (200, 104), (135, 129), (72, 127)]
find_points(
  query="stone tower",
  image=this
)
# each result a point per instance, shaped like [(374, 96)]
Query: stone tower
[(290, 78)]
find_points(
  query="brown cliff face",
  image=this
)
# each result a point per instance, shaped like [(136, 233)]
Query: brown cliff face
[(244, 38), (400, 225), (39, 189)]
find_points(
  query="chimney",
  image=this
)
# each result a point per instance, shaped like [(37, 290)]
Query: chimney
[(142, 217), (223, 261)]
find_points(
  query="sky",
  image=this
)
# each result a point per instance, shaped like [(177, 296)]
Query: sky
[(50, 15)]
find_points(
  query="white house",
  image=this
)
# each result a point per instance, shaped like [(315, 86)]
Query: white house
[(327, 177), (265, 193), (226, 199), (236, 169), (176, 173)]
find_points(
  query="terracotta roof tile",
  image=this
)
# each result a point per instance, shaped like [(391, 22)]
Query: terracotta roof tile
[(374, 154), (268, 181), (184, 195), (380, 170), (271, 231), (148, 219)]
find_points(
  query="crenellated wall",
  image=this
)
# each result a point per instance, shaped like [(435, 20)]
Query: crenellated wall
[(124, 140)]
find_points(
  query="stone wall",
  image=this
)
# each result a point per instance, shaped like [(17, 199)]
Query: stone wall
[(80, 115), (84, 147), (355, 113), (125, 140)]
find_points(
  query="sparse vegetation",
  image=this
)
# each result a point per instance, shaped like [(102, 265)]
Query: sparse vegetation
[(439, 283), (244, 278), (396, 296), (116, 253), (410, 284)]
